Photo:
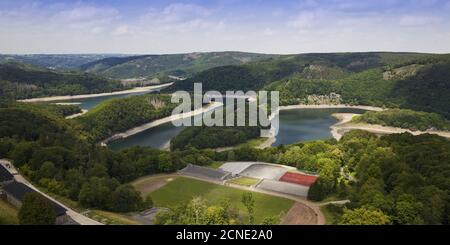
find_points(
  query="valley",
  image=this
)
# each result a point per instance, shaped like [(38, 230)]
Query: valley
[(319, 135)]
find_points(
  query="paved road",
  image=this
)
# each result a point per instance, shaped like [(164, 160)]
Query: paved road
[(77, 217)]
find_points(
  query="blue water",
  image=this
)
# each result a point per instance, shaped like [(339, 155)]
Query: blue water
[(307, 124), (90, 103), (295, 126)]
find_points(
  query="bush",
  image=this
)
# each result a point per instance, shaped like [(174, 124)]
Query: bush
[(36, 210)]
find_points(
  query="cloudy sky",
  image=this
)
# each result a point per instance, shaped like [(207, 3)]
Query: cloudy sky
[(166, 26)]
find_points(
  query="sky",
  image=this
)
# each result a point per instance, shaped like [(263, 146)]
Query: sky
[(263, 26)]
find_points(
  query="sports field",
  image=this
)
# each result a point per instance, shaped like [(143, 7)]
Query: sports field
[(245, 181), (182, 190)]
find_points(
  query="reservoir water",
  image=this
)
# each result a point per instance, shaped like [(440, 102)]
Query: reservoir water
[(89, 103), (307, 124), (295, 125)]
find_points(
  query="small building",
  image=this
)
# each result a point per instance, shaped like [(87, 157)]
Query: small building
[(15, 192), (5, 176)]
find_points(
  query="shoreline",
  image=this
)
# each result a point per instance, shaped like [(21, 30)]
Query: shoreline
[(159, 122), (86, 96), (331, 106), (344, 125), (272, 139), (83, 111)]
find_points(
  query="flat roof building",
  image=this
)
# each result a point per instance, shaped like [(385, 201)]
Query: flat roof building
[(5, 176), (15, 192)]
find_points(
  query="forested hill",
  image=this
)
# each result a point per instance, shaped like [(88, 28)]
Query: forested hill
[(118, 115), (410, 80), (171, 64), (55, 61), (20, 81)]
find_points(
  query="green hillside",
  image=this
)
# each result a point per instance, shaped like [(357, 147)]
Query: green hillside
[(54, 61), (22, 81), (118, 115), (414, 120), (173, 64), (409, 80)]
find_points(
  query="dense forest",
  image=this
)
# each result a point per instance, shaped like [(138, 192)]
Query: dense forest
[(211, 137), (395, 179), (118, 115), (407, 80), (403, 118), (20, 81), (50, 151)]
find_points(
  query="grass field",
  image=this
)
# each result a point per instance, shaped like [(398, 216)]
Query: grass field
[(245, 181), (182, 190), (8, 214), (215, 165), (110, 218), (147, 184)]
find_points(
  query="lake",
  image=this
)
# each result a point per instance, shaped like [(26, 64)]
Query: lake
[(89, 103), (307, 124), (295, 125)]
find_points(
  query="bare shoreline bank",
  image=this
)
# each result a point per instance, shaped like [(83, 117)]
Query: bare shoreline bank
[(86, 96), (339, 106), (158, 122), (344, 125), (272, 139)]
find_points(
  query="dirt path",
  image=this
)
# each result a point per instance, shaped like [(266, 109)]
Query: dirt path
[(299, 214)]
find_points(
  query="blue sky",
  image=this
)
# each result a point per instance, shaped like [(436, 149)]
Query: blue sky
[(177, 26)]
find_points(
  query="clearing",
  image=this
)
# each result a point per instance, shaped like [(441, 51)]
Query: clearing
[(148, 184)]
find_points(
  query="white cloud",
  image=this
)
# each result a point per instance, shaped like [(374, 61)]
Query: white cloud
[(86, 16), (268, 32), (181, 18), (414, 20), (121, 30), (304, 20)]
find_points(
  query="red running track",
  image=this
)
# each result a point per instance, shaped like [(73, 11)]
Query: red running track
[(296, 178)]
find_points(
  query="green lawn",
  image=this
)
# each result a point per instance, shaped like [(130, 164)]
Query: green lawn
[(110, 218), (245, 181), (8, 214), (182, 190), (215, 165)]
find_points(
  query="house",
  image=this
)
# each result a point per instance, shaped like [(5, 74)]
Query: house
[(15, 192), (5, 176)]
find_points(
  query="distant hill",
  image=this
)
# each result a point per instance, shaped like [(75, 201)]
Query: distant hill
[(183, 65), (409, 80), (55, 61), (20, 81)]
